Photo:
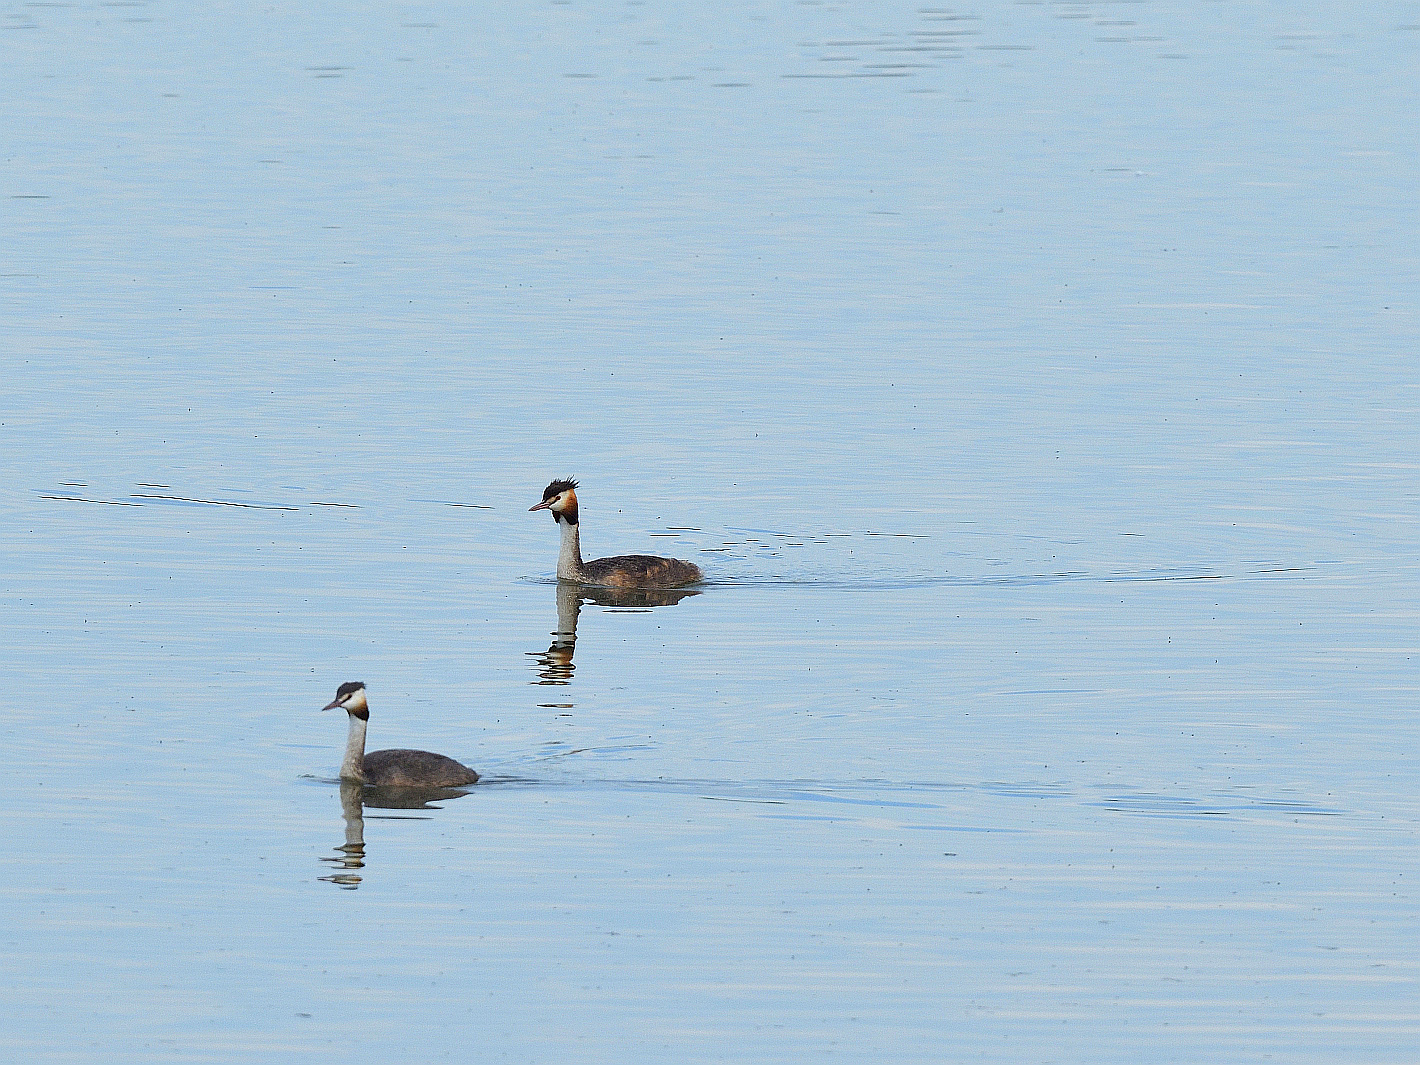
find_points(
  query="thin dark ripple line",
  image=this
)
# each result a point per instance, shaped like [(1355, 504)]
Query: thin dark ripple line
[(84, 499), (210, 502)]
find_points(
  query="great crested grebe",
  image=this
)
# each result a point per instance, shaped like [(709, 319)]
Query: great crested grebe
[(396, 768), (619, 571)]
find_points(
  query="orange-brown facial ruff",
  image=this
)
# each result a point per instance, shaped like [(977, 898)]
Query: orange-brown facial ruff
[(560, 497)]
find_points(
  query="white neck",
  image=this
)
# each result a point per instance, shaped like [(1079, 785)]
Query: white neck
[(353, 768), (569, 558)]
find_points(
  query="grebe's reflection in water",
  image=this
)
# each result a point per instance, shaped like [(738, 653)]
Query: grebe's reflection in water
[(354, 797), (555, 666)]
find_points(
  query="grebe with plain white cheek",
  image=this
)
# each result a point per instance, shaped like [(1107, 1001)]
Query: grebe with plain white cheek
[(396, 768), (619, 571)]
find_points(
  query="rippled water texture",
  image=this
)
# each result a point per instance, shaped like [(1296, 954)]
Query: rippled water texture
[(1036, 384)]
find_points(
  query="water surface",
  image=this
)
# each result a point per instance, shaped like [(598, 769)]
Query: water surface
[(1034, 383)]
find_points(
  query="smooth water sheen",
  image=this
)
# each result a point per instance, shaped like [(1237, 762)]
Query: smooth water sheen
[(1035, 382)]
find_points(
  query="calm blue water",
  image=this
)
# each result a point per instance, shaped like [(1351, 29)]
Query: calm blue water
[(1036, 384)]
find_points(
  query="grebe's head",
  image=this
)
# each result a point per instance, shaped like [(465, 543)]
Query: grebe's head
[(560, 497), (350, 697)]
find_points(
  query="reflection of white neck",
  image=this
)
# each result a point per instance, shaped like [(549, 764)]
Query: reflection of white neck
[(569, 558), (353, 768), (569, 605), (352, 806)]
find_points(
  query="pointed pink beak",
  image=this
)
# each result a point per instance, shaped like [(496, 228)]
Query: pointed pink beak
[(544, 505)]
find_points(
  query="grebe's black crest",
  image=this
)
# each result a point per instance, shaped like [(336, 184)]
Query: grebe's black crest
[(556, 488), (347, 688)]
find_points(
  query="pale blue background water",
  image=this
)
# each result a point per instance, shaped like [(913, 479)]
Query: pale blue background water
[(1035, 382)]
